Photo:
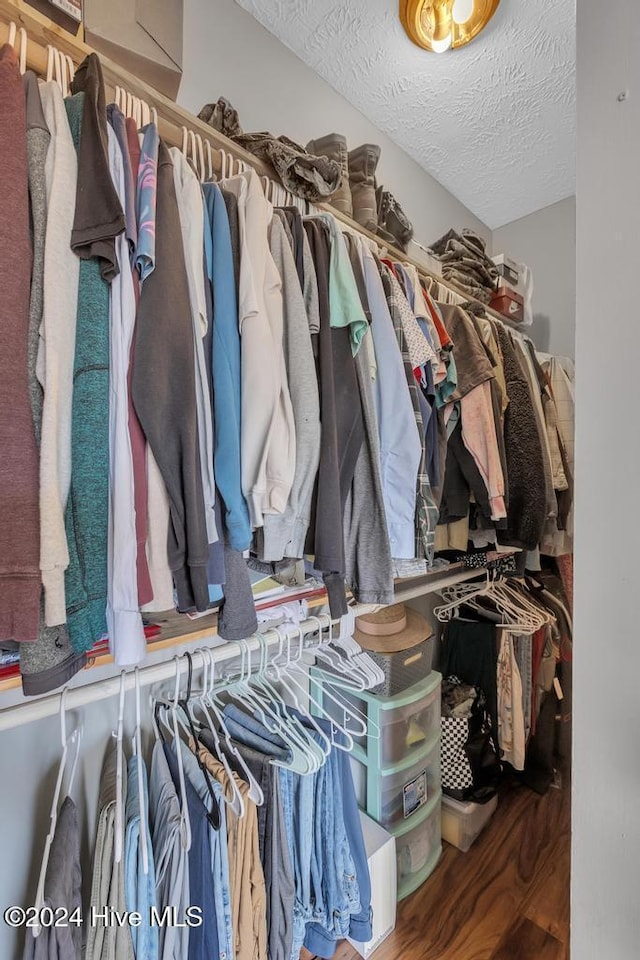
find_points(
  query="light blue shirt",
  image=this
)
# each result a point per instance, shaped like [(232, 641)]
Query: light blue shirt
[(400, 443)]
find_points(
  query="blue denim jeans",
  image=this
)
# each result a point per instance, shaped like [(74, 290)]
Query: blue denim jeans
[(298, 804), (140, 888), (250, 731), (320, 938)]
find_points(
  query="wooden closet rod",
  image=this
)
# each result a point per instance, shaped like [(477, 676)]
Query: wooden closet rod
[(42, 32)]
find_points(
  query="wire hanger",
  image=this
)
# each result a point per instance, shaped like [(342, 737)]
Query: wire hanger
[(67, 743)]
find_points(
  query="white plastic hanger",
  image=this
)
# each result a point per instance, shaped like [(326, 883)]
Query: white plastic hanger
[(67, 742), (236, 800), (119, 825), (209, 153), (224, 165), (22, 56), (293, 668), (322, 750), (136, 745), (303, 760), (255, 791), (185, 825), (200, 166), (285, 681), (329, 682), (445, 611)]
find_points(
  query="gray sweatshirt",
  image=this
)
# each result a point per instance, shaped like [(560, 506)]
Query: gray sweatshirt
[(285, 533), (165, 398)]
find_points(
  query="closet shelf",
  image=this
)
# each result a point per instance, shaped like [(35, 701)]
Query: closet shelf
[(407, 588), (171, 119), (176, 630)]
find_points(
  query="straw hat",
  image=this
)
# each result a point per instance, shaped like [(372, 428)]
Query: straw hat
[(392, 629)]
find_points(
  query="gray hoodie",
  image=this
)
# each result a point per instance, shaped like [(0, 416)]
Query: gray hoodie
[(284, 534)]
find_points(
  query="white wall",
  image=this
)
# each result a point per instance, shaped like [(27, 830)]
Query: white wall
[(546, 241), (228, 53), (606, 764)]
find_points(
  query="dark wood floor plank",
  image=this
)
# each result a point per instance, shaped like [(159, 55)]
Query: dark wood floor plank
[(526, 941)]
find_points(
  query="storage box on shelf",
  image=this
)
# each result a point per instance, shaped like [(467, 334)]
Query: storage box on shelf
[(462, 823), (404, 668), (396, 767)]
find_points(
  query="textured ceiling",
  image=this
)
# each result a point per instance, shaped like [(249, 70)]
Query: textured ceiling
[(493, 122)]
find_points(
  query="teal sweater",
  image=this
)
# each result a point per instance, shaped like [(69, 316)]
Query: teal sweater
[(87, 515)]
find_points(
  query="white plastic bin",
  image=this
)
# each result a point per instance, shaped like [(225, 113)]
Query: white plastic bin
[(462, 823)]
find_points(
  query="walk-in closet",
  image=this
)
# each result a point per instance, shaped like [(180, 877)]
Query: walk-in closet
[(318, 480)]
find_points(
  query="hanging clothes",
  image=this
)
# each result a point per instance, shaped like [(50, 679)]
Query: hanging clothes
[(164, 341), (62, 894), (284, 533), (169, 855), (19, 566), (124, 621), (87, 513), (107, 941)]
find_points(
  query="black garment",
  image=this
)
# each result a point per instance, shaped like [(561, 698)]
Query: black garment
[(527, 507), (164, 395), (462, 476), (294, 221), (231, 203), (539, 761), (99, 217), (342, 431), (470, 652)]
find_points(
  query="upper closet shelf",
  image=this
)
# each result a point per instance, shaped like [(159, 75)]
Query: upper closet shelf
[(172, 120)]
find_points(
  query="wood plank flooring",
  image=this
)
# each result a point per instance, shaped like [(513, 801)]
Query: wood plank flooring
[(506, 899)]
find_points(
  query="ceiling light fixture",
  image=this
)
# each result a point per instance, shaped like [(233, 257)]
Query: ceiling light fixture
[(440, 25)]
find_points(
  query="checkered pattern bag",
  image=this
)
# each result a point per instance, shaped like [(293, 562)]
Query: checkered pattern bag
[(470, 766), (456, 769)]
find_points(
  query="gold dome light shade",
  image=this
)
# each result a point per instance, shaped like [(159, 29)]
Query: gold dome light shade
[(440, 25)]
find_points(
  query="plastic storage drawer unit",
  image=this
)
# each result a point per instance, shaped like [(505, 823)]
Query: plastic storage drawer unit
[(462, 823), (418, 847), (393, 797), (407, 729), (407, 722)]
